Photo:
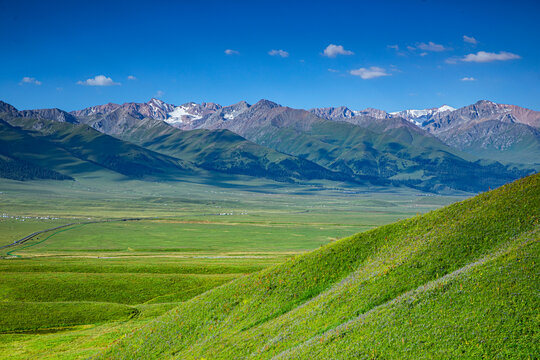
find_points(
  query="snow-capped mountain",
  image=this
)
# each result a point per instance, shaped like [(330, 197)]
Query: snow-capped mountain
[(186, 115), (487, 128), (419, 116), (157, 109)]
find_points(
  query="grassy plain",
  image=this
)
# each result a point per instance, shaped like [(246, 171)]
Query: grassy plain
[(68, 293), (458, 282)]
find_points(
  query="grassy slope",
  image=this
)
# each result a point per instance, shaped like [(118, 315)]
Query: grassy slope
[(278, 309), (19, 144), (397, 154), (23, 315), (225, 151), (218, 150), (274, 212), (91, 146)]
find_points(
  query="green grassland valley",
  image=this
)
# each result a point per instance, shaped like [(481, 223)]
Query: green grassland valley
[(100, 277), (269, 180), (267, 271)]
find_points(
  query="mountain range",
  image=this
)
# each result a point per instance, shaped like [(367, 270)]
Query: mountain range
[(505, 133), (471, 149)]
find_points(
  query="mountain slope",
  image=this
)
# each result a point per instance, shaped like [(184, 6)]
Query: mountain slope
[(500, 132), (16, 150), (215, 150), (486, 129), (20, 145), (461, 281), (225, 151), (63, 142), (379, 150)]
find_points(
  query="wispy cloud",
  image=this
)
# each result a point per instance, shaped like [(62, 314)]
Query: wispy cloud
[(430, 46), (131, 77), (231, 52), (470, 40), (483, 57), (369, 73), (332, 51), (396, 48), (98, 80), (30, 80), (333, 70), (468, 78), (158, 94), (279, 52)]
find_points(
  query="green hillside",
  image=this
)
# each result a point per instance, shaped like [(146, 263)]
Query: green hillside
[(89, 147), (213, 150), (461, 281), (18, 169), (32, 153), (398, 155)]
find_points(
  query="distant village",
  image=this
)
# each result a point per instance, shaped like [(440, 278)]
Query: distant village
[(23, 218)]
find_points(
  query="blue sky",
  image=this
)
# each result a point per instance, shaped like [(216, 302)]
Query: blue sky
[(390, 55)]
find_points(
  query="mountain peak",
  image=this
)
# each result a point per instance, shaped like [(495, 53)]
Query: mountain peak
[(446, 108), (334, 113), (5, 107), (376, 113), (156, 101), (267, 104), (242, 103), (485, 102)]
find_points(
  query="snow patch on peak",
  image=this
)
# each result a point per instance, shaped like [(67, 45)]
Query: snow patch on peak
[(182, 114), (413, 114), (446, 108), (156, 101)]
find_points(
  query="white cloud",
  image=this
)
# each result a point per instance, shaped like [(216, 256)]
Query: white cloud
[(396, 48), (470, 39), (131, 77), (430, 46), (369, 73), (333, 70), (483, 56), (467, 78), (159, 94), (423, 54), (30, 80), (231, 52), (334, 50), (98, 80), (280, 52)]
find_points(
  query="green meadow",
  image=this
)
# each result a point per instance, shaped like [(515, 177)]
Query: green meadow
[(459, 282), (68, 293)]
